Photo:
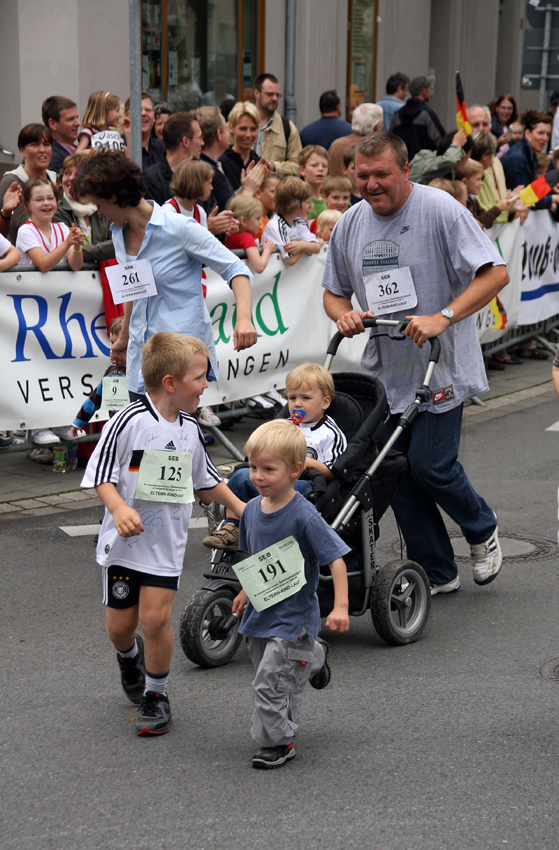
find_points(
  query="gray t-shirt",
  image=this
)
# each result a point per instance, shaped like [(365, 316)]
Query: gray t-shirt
[(318, 544), (444, 247)]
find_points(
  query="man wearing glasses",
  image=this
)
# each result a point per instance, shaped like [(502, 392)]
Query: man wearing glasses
[(278, 139)]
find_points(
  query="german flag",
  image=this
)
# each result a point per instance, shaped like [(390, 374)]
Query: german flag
[(461, 112), (499, 313), (539, 188)]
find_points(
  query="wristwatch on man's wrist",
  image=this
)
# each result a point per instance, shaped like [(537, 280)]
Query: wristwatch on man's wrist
[(5, 217), (448, 313)]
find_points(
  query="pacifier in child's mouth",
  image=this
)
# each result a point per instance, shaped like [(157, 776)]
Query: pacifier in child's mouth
[(297, 415)]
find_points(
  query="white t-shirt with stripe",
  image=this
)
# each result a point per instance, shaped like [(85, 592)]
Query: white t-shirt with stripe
[(280, 232), (29, 236), (325, 440), (159, 549)]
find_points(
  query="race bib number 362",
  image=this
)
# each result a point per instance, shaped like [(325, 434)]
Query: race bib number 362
[(272, 574), (390, 291)]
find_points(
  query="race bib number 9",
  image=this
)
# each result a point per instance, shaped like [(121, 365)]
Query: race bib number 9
[(273, 574), (115, 395), (390, 291), (165, 477)]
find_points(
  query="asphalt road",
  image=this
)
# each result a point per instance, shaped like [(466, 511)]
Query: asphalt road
[(449, 743)]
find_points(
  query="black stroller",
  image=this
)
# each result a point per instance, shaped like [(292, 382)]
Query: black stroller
[(366, 476)]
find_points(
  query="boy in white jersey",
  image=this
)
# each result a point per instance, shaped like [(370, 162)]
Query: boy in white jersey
[(310, 390), (146, 467)]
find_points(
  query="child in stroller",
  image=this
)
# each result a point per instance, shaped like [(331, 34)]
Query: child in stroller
[(310, 390)]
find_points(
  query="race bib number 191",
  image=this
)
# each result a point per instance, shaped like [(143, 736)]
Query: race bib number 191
[(273, 574), (390, 291)]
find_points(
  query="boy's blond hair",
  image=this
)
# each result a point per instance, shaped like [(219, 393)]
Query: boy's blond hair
[(189, 178), (443, 184), (467, 167), (290, 193), (167, 353), (312, 375), (308, 151), (116, 325), (281, 438), (327, 218), (335, 183), (244, 207)]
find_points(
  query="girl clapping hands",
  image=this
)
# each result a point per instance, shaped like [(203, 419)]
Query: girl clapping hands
[(42, 241)]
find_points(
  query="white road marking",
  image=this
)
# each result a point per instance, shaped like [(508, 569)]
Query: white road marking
[(554, 427), (92, 530)]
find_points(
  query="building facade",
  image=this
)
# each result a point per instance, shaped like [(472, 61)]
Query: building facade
[(198, 52)]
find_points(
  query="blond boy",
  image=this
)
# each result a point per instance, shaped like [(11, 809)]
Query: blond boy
[(282, 636), (310, 390), (146, 467)]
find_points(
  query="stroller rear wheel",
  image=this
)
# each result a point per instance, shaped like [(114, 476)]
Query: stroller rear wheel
[(196, 640), (400, 602)]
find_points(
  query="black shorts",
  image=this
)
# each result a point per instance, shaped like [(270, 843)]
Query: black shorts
[(121, 585)]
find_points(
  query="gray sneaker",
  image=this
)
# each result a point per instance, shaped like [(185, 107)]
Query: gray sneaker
[(154, 715), (487, 558), (212, 512)]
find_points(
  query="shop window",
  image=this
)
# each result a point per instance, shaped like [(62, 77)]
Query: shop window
[(198, 53), (361, 53)]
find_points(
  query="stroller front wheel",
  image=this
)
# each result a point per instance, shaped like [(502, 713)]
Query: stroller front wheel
[(196, 640), (400, 602)]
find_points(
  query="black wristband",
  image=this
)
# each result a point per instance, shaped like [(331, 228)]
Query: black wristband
[(9, 218)]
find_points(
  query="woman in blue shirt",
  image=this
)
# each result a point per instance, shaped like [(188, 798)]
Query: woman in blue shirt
[(176, 248)]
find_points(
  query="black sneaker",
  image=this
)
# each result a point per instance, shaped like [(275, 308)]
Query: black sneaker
[(268, 757), (321, 678), (133, 673), (154, 715)]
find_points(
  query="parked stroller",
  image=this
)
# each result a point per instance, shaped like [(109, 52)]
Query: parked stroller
[(366, 476)]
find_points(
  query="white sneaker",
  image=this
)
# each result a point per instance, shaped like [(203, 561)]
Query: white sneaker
[(258, 402), (43, 437), (275, 397), (64, 432), (448, 587), (208, 417), (487, 558)]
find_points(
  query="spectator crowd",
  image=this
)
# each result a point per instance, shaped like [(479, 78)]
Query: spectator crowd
[(249, 177)]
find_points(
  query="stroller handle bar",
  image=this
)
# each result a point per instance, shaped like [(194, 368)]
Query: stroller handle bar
[(434, 341)]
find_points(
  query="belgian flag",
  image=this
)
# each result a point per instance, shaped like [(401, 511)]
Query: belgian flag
[(539, 188), (461, 112)]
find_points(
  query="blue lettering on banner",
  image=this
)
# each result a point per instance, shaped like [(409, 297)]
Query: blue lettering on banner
[(24, 328)]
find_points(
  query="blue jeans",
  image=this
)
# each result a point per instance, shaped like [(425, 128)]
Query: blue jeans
[(241, 485), (434, 477)]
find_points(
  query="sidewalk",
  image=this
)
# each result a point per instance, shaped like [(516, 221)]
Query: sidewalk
[(31, 489)]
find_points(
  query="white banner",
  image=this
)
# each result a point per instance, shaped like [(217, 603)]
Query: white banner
[(540, 268), (55, 349), (501, 314)]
